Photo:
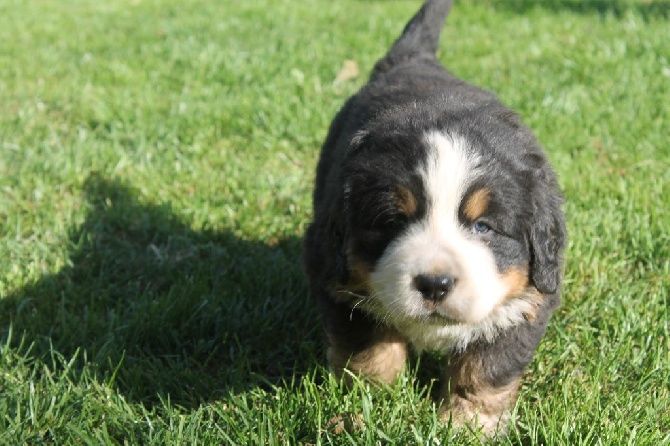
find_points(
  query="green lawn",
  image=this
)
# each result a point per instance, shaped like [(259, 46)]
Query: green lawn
[(156, 165)]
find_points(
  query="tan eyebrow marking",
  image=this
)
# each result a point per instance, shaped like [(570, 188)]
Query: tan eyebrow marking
[(405, 201), (477, 203)]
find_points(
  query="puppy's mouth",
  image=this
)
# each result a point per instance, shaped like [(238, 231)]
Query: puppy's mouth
[(436, 308), (442, 319)]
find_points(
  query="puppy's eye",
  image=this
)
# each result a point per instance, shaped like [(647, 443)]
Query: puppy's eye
[(479, 227)]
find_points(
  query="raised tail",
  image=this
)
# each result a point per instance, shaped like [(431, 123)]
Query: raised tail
[(420, 37)]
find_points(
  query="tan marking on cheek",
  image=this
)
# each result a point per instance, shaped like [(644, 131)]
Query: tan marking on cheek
[(516, 280), (405, 201), (518, 284), (536, 298), (477, 204), (359, 275), (358, 283)]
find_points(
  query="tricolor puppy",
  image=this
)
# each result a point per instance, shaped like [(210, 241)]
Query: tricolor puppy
[(437, 224)]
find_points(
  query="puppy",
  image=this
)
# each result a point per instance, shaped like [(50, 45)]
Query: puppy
[(437, 224)]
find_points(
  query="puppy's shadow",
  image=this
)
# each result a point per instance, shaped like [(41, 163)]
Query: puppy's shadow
[(165, 309)]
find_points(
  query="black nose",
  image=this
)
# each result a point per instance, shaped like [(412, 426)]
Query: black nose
[(434, 287)]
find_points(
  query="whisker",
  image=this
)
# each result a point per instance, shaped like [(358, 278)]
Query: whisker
[(351, 293)]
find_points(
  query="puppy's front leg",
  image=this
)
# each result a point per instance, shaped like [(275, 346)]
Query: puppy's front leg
[(472, 397), (362, 345), (382, 358)]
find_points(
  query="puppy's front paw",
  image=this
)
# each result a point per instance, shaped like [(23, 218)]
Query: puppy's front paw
[(465, 415)]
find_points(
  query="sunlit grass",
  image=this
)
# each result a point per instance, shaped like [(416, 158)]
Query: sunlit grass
[(156, 166)]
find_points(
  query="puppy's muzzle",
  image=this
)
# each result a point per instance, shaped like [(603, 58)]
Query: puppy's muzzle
[(434, 287)]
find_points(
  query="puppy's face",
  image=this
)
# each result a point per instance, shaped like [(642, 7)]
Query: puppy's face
[(441, 229)]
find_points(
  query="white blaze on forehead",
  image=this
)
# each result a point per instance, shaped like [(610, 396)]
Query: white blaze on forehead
[(448, 171)]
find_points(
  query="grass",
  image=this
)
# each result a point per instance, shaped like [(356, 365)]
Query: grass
[(156, 163)]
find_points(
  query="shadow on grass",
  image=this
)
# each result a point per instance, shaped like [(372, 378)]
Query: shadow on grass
[(647, 9), (172, 311)]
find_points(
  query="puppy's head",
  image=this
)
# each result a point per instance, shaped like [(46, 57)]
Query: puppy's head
[(448, 224)]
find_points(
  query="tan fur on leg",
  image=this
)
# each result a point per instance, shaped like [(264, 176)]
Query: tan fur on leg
[(382, 360), (470, 399)]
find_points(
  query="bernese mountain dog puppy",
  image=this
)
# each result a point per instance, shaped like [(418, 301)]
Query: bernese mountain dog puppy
[(437, 224)]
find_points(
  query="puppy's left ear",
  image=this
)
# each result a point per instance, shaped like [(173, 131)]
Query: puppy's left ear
[(546, 229)]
